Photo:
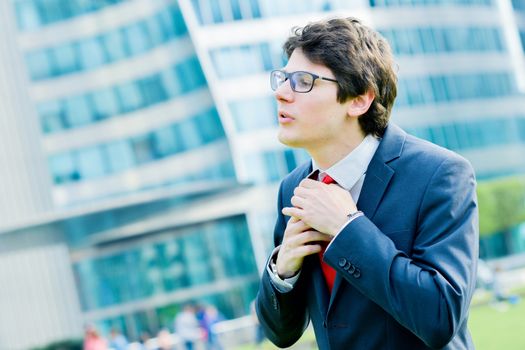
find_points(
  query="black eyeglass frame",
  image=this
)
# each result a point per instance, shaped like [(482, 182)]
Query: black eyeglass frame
[(289, 76)]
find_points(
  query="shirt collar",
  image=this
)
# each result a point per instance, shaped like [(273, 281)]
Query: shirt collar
[(351, 168)]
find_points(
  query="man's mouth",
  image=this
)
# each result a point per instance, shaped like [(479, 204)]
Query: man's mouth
[(285, 118)]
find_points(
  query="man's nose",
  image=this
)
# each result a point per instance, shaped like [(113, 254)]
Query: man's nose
[(284, 91)]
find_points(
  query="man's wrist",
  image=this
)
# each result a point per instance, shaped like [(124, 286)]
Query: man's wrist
[(283, 285), (275, 271), (354, 214)]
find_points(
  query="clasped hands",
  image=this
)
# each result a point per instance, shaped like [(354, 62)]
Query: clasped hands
[(318, 213)]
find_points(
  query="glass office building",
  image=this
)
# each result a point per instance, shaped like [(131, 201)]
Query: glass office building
[(157, 127)]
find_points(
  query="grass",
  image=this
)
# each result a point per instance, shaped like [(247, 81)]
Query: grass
[(493, 327)]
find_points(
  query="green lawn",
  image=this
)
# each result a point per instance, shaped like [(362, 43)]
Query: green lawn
[(495, 328), (492, 328)]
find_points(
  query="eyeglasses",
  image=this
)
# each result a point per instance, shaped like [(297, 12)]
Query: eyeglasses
[(300, 81)]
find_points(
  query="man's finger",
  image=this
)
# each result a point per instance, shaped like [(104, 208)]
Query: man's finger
[(309, 183), (298, 202), (308, 237), (293, 212)]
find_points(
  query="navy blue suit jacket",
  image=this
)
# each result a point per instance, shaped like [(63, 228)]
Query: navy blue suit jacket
[(405, 271)]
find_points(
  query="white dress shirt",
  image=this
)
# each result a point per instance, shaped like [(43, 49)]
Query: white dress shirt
[(349, 173)]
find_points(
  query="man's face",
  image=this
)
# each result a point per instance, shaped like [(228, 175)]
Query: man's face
[(312, 120)]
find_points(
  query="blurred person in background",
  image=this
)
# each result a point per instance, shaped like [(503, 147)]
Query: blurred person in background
[(210, 317), (164, 340), (117, 340), (377, 237), (93, 340), (187, 326)]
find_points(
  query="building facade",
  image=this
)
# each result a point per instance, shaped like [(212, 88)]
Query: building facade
[(151, 131)]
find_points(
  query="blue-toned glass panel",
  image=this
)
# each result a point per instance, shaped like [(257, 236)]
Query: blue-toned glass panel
[(190, 74), (115, 45), (27, 15), (91, 163), (155, 31), (166, 142), (422, 90), (242, 60), (137, 38), (130, 97), (91, 53), (143, 148), (33, 14), (410, 41), (267, 166), (473, 134), (191, 136), (39, 64), (254, 113), (218, 11), (204, 254), (120, 156), (210, 125), (65, 59), (152, 90), (52, 116), (171, 82), (63, 168), (78, 111), (379, 3), (105, 103), (235, 10), (275, 164)]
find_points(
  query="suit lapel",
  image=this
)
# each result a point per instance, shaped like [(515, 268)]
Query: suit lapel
[(378, 176), (379, 173)]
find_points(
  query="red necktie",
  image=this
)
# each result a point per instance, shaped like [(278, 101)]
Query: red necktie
[(328, 271)]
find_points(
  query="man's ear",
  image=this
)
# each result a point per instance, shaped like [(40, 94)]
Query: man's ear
[(359, 105)]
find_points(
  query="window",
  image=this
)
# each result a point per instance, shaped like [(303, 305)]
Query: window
[(78, 111), (91, 53), (39, 64), (91, 163), (166, 141), (152, 90), (171, 83), (130, 97), (33, 14), (143, 148), (65, 59), (115, 45), (138, 38), (27, 15), (105, 103), (63, 168), (52, 116), (189, 130), (120, 156), (255, 113), (210, 126)]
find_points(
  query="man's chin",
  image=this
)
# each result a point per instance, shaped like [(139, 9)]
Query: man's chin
[(289, 141)]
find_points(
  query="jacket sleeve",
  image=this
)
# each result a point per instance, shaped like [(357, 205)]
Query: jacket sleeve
[(283, 316), (428, 292)]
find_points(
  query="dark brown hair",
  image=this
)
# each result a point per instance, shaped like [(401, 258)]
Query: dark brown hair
[(359, 57)]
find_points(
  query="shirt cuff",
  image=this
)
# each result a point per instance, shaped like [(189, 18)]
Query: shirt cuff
[(350, 219), (283, 286)]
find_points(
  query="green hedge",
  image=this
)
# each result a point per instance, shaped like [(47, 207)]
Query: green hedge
[(73, 344), (501, 204)]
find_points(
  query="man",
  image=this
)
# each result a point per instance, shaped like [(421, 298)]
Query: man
[(398, 213)]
